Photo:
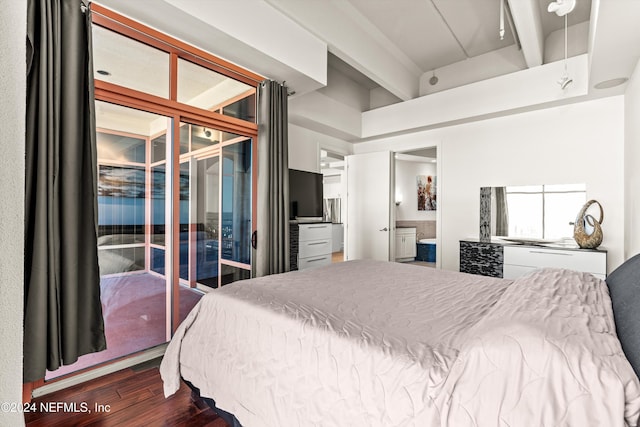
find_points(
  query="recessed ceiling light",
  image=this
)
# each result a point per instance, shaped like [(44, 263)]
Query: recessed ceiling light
[(103, 72), (611, 83)]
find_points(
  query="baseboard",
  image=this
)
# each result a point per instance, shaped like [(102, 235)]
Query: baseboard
[(92, 374)]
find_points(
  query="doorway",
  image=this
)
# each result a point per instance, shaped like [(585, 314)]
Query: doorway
[(417, 202), (332, 167), (370, 217)]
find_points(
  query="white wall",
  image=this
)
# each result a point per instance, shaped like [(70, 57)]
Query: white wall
[(334, 187), (631, 162), (344, 90), (304, 151), (305, 145), (498, 95), (380, 97), (577, 143), (406, 184), (12, 111)]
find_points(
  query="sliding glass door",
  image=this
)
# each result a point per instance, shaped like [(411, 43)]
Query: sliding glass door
[(174, 128), (215, 243), (199, 216), (132, 236), (236, 218)]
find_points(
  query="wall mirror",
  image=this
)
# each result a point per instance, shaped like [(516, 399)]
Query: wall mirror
[(534, 212)]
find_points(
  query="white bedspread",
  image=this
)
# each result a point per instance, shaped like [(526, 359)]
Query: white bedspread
[(366, 343)]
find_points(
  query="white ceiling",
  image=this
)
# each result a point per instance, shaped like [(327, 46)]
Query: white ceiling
[(433, 34), (436, 33), (391, 48), (428, 35)]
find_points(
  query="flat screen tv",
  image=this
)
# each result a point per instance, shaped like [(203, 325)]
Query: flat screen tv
[(305, 194)]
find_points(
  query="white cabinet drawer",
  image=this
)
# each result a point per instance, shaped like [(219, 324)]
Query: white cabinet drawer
[(313, 248), (515, 271), (315, 261), (314, 245), (591, 262), (314, 232)]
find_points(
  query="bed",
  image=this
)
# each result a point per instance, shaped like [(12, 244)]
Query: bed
[(367, 343)]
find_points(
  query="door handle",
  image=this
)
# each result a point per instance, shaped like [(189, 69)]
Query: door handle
[(384, 229)]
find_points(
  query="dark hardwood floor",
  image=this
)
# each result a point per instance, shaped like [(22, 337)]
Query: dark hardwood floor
[(131, 397)]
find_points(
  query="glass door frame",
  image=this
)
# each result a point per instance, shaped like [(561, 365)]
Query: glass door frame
[(209, 153), (173, 168), (178, 112)]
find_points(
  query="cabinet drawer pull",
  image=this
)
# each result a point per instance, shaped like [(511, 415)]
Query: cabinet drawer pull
[(317, 243), (317, 259), (318, 226), (550, 253)]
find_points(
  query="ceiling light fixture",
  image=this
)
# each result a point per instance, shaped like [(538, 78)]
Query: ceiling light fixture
[(563, 8), (433, 80)]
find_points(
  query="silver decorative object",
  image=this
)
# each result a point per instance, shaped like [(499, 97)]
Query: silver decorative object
[(588, 240)]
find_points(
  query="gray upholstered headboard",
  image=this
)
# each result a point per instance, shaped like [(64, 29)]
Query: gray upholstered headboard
[(624, 287)]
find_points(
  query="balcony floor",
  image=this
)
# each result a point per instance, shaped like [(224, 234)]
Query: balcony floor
[(134, 310)]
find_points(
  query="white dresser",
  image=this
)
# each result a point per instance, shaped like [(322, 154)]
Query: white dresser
[(406, 243), (314, 245), (519, 260)]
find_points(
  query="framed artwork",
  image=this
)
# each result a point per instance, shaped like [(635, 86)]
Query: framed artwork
[(426, 192)]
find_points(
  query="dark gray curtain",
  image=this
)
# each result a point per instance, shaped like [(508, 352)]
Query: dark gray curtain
[(502, 212), (272, 250), (63, 314)]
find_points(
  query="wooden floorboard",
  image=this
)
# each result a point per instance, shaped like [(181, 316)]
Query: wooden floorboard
[(128, 398)]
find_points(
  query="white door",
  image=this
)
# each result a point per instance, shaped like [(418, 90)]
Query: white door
[(370, 180)]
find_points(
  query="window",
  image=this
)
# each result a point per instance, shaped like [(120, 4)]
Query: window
[(207, 89), (128, 63), (543, 211), (126, 175)]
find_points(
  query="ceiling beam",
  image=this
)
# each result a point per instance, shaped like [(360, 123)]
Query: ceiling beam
[(352, 38), (518, 91), (526, 18)]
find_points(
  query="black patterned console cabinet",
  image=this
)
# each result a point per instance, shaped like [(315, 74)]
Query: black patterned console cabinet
[(294, 234), (508, 260), (484, 258)]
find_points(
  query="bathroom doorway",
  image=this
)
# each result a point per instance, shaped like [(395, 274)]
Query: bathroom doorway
[(416, 210)]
